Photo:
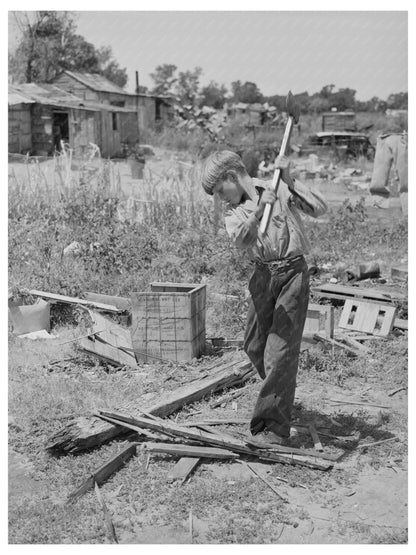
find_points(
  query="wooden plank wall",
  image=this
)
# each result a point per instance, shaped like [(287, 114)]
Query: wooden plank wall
[(20, 128)]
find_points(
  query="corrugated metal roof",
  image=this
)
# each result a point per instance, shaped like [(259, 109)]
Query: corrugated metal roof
[(54, 96), (97, 82)]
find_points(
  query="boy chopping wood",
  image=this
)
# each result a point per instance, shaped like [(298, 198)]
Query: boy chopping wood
[(279, 285)]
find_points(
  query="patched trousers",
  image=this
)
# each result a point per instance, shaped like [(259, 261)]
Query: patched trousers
[(275, 321)]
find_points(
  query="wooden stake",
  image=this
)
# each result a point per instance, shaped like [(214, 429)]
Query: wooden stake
[(191, 531), (108, 522), (366, 445), (315, 438), (100, 475), (268, 484)]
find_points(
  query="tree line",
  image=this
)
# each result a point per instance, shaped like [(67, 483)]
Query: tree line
[(49, 44)]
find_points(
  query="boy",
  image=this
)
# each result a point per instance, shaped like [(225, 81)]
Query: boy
[(279, 285)]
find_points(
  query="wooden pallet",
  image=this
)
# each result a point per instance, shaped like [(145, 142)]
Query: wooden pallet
[(372, 318)]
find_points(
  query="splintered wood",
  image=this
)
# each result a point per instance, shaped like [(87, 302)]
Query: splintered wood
[(214, 440), (87, 432), (109, 341)]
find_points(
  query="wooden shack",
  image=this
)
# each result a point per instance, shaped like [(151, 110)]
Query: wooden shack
[(152, 110), (56, 115)]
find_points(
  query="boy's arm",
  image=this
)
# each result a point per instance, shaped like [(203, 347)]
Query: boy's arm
[(242, 223), (310, 202), (242, 228)]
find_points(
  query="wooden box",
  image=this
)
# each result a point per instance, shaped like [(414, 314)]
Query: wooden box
[(168, 323)]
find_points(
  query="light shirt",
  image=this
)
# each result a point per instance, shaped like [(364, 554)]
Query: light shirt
[(285, 236)]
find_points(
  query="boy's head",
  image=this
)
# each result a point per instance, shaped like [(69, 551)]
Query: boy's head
[(219, 171)]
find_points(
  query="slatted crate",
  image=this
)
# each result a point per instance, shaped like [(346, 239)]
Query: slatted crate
[(168, 323)]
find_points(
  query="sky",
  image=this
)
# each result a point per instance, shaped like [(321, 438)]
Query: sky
[(277, 50)]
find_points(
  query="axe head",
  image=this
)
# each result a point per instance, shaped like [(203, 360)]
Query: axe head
[(292, 108)]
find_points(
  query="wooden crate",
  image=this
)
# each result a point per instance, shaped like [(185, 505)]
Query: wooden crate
[(319, 318), (168, 323)]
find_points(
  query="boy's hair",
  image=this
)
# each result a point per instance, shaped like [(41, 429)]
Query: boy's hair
[(217, 166)]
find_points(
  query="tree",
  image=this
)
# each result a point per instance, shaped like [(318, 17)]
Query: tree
[(213, 95), (398, 101), (343, 99), (248, 92), (326, 91), (110, 68), (49, 45), (187, 85), (164, 79), (318, 104)]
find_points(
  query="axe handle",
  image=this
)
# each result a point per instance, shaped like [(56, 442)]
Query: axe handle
[(276, 176)]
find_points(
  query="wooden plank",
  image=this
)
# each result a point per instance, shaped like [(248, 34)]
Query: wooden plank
[(86, 433), (110, 342), (122, 303), (107, 518), (283, 449), (236, 445), (329, 290), (216, 422), (189, 451), (263, 479), (100, 475), (400, 324), (334, 343), (183, 469), (315, 438), (73, 300), (351, 341), (106, 353), (197, 390)]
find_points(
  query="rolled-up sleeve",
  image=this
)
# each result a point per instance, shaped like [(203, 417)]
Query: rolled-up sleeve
[(242, 227), (308, 201)]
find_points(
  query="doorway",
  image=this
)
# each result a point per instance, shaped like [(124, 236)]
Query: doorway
[(60, 129)]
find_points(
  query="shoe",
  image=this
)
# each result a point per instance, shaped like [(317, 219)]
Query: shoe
[(267, 440)]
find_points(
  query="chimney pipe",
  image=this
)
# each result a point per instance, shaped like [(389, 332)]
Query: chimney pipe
[(137, 82)]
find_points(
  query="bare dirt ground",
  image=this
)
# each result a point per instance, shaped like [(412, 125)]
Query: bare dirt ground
[(363, 499)]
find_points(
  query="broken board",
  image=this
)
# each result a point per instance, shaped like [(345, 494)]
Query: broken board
[(372, 318), (342, 292), (182, 469), (54, 297), (109, 341)]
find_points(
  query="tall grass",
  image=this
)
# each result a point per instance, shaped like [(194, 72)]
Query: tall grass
[(127, 233)]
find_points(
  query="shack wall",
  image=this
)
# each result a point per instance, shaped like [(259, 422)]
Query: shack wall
[(147, 112), (20, 128)]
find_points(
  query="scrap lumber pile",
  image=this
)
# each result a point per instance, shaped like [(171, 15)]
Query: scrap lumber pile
[(367, 314), (88, 432), (190, 443)]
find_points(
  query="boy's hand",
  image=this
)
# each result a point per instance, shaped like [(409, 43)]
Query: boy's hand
[(268, 197), (284, 164)]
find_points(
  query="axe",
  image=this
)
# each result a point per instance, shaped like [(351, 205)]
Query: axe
[(293, 112)]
